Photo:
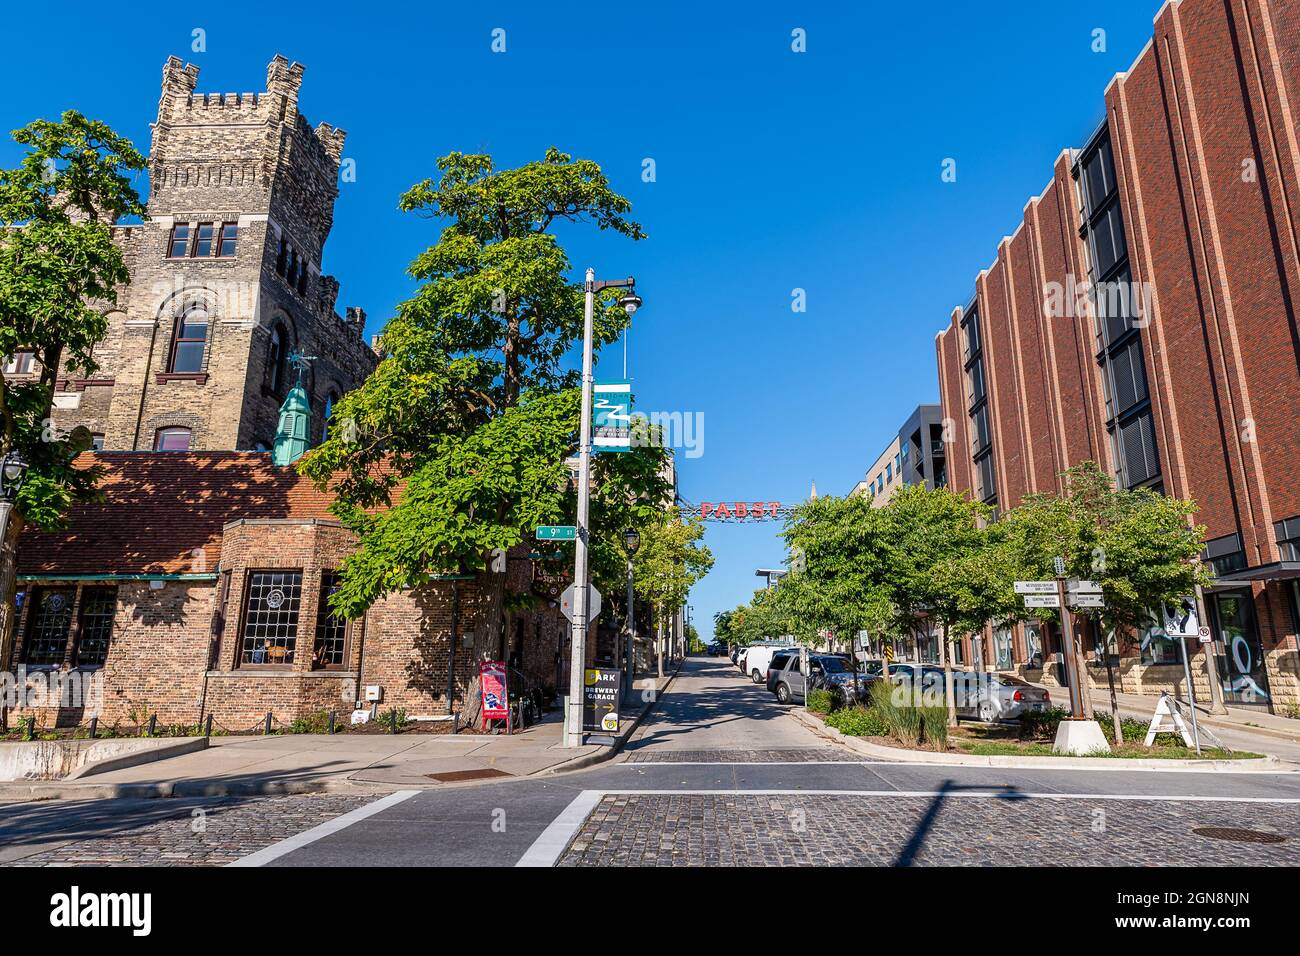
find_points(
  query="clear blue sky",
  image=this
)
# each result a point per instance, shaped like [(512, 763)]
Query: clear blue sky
[(775, 171)]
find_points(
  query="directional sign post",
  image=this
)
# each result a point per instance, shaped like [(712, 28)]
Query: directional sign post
[(1042, 600), (1087, 600), (557, 532), (1036, 587)]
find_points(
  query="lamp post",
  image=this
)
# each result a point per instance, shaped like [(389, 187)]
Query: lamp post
[(581, 598), (631, 541), (12, 473)]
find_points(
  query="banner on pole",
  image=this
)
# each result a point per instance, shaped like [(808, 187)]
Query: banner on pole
[(611, 416)]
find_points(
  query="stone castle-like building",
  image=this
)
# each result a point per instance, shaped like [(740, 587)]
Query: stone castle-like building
[(225, 279)]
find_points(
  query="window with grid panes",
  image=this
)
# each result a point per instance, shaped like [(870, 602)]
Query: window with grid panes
[(270, 634), (331, 630), (98, 607), (47, 632)]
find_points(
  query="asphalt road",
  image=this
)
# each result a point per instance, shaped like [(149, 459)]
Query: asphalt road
[(719, 775)]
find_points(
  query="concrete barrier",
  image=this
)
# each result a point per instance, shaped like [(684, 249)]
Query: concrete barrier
[(73, 759)]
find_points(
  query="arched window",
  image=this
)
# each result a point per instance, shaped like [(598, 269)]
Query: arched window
[(172, 439), (188, 340), (331, 399), (275, 359)]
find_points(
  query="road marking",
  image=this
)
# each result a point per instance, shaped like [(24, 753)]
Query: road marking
[(904, 764), (546, 849), (277, 850), (962, 794), (746, 763)]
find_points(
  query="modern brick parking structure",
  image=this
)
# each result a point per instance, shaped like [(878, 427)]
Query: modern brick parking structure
[(1144, 315)]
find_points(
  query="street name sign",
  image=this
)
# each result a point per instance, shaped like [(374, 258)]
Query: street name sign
[(557, 532), (1036, 587), (569, 596), (1042, 600)]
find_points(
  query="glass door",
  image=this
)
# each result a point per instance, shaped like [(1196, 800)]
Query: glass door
[(1240, 655)]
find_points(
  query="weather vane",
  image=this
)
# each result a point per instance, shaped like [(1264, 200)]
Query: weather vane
[(300, 362)]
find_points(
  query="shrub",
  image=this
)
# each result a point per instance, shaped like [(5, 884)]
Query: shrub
[(1041, 725), (857, 722), (821, 701), (316, 723)]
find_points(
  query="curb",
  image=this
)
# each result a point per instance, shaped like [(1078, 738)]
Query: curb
[(608, 753), (898, 755)]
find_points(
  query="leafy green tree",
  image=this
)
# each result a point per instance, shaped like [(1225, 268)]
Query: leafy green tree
[(671, 559), (457, 445), (59, 273), (1142, 547), (947, 568), (839, 581)]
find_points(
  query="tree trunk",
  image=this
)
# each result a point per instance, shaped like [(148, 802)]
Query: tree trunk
[(1114, 701), (659, 642), (945, 658), (8, 587)]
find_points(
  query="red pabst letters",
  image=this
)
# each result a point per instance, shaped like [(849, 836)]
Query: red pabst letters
[(757, 511)]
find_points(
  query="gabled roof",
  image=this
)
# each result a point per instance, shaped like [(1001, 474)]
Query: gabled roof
[(159, 507)]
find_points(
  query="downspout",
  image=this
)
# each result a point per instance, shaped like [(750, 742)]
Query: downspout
[(361, 655), (451, 655)]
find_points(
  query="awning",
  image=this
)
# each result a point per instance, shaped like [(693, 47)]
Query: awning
[(1277, 571)]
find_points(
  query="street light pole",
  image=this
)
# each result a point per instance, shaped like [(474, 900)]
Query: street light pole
[(582, 594)]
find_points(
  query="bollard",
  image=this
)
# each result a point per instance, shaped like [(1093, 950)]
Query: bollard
[(331, 726), (30, 733), (267, 728), (392, 720), (153, 725), (207, 726), (94, 727)]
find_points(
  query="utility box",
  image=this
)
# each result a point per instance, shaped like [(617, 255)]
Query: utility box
[(374, 693)]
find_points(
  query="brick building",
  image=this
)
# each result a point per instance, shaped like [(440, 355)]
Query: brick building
[(198, 587), (225, 279), (1144, 315)]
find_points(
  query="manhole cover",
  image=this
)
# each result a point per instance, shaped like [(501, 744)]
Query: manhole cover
[(1238, 835), (453, 776)]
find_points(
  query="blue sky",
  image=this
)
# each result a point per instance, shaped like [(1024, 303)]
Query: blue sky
[(775, 170)]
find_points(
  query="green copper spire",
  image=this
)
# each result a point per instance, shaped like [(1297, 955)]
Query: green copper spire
[(292, 437)]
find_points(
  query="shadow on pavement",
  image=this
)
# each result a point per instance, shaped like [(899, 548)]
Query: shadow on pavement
[(907, 856)]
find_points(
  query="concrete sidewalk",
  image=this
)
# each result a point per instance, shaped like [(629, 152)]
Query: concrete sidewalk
[(301, 763)]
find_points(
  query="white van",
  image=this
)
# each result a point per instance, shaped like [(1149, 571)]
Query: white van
[(759, 657)]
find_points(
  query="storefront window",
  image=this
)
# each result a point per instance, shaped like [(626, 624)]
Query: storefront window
[(1157, 646), (1034, 645), (1003, 649)]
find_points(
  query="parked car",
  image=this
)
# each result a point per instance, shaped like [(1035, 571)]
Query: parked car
[(735, 654), (996, 697), (785, 677), (759, 656)]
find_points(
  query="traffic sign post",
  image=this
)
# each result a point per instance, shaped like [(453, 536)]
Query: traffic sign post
[(569, 601)]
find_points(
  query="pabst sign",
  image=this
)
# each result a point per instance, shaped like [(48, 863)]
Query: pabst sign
[(758, 510)]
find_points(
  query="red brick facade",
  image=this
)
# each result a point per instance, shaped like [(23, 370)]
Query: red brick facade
[(1206, 168), (185, 540)]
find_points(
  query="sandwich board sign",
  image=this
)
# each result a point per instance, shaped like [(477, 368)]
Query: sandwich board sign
[(611, 416), (1166, 710)]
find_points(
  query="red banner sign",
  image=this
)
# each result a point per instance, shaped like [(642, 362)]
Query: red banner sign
[(758, 510), (492, 687)]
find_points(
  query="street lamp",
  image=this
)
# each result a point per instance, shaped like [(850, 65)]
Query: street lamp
[(631, 541), (582, 588), (12, 474)]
